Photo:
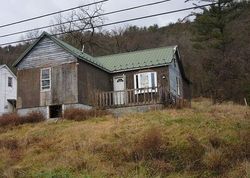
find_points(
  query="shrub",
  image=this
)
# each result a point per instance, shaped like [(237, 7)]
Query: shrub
[(83, 114), (150, 145), (32, 117), (9, 119), (14, 119)]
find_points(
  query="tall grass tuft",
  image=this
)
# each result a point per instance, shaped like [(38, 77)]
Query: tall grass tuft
[(151, 145)]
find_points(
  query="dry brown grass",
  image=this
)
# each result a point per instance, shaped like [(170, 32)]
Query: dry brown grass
[(192, 142), (82, 114)]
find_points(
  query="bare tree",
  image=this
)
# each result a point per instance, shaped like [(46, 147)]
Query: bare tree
[(81, 26), (31, 35)]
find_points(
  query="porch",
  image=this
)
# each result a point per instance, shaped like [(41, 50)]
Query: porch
[(133, 97)]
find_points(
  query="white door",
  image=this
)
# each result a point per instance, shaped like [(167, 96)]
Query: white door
[(119, 87)]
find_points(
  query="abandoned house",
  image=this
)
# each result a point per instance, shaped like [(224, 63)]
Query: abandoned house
[(53, 76), (7, 90)]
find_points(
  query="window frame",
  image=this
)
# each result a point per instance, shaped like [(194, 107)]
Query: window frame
[(137, 82), (178, 86), (41, 79), (10, 79)]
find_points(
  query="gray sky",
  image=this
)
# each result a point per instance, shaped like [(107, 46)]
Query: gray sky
[(15, 10)]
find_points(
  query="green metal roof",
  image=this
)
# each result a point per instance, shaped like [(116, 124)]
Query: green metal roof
[(138, 59), (117, 62)]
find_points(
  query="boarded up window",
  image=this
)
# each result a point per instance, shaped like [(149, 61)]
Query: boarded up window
[(45, 79), (146, 81)]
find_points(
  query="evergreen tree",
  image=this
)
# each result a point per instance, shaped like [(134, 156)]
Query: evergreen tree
[(212, 37)]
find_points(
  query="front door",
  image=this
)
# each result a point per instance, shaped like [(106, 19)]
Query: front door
[(119, 87)]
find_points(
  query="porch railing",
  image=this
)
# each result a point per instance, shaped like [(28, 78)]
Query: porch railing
[(131, 97)]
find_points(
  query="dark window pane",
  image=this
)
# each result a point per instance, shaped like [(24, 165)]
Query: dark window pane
[(10, 80), (153, 79), (45, 74), (137, 81), (45, 83)]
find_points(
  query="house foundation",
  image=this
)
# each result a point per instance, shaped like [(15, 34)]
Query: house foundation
[(53, 111)]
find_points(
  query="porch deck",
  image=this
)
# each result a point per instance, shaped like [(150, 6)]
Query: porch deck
[(132, 97)]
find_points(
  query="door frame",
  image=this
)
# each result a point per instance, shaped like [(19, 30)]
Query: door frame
[(124, 91), (119, 76)]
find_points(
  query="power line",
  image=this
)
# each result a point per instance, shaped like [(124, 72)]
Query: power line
[(104, 14), (49, 14), (114, 23)]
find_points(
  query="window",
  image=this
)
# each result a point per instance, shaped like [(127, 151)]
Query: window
[(10, 81), (45, 79), (147, 80), (178, 86)]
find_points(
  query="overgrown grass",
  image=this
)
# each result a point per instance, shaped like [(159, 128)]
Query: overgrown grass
[(204, 141)]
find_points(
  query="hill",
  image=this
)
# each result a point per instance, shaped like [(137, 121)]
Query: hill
[(204, 67), (203, 141)]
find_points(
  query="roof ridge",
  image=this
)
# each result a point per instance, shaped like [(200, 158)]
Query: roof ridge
[(131, 52)]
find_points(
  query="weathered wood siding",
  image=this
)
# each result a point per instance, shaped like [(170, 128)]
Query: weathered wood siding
[(161, 80), (63, 87), (46, 53), (64, 84), (174, 72), (91, 79), (28, 88)]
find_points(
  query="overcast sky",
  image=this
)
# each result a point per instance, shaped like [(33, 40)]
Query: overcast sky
[(15, 10)]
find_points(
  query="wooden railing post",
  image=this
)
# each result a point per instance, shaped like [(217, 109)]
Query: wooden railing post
[(131, 97)]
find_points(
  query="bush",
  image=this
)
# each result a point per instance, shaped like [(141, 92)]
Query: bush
[(83, 114), (9, 119), (150, 146), (14, 119), (32, 117)]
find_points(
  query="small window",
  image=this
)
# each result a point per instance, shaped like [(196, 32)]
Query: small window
[(178, 86), (45, 79), (146, 81), (10, 82)]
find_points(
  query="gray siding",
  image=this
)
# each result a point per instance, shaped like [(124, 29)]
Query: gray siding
[(46, 53), (174, 72), (63, 86)]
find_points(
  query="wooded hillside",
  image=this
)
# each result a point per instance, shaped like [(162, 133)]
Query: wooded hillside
[(218, 68)]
